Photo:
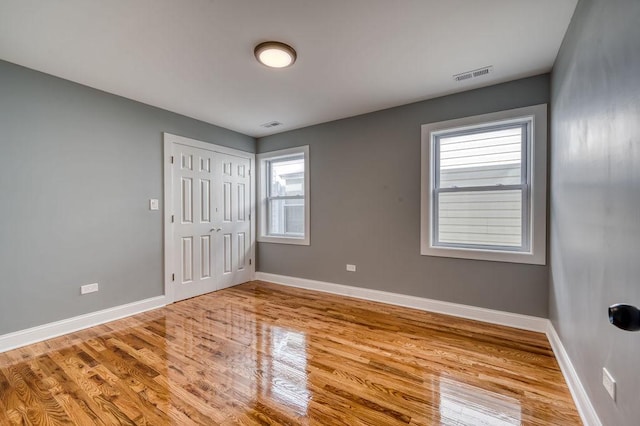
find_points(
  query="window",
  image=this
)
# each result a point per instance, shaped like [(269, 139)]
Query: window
[(284, 196), (484, 187)]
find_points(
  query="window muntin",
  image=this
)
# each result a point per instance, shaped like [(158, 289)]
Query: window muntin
[(284, 187), (481, 187)]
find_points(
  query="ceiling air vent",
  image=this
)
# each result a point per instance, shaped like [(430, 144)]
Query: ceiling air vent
[(468, 75), (271, 124)]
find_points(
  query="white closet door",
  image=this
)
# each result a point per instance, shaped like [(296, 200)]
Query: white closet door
[(210, 229), (233, 214), (194, 233)]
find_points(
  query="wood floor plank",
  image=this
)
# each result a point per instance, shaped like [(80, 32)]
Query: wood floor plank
[(263, 354)]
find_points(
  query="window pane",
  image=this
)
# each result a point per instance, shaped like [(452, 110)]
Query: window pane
[(286, 217), (483, 158), (287, 177), (487, 218), (294, 219)]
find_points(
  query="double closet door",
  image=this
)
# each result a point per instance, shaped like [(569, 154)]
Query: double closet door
[(211, 221)]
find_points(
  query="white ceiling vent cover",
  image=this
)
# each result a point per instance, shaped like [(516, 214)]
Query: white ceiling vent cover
[(271, 124), (468, 75)]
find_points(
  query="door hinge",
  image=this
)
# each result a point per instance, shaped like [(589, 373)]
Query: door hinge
[(173, 277), (172, 159), (249, 261), (173, 218), (249, 216)]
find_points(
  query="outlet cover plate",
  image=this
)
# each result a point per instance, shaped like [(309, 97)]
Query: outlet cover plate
[(351, 268), (89, 288), (609, 383)]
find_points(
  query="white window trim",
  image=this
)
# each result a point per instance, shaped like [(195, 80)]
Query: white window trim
[(262, 196), (538, 205)]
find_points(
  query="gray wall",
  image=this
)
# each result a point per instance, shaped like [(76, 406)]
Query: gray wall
[(77, 169), (595, 198), (365, 207)]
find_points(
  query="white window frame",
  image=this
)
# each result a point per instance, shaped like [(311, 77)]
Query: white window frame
[(263, 191), (536, 164)]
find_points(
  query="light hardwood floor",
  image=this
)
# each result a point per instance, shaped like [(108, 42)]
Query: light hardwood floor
[(261, 353)]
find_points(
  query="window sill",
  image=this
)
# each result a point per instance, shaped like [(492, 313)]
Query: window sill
[(489, 255), (284, 240)]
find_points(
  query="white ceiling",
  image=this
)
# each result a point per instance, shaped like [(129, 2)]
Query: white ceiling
[(195, 57)]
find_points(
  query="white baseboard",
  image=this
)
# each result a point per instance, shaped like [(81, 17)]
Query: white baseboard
[(525, 322), (509, 319), (48, 331), (583, 404)]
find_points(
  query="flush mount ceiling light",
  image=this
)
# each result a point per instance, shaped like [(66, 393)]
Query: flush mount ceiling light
[(274, 54)]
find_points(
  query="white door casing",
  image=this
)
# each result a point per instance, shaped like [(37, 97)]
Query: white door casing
[(209, 211)]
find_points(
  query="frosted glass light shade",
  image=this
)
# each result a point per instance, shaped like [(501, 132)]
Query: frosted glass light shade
[(274, 54)]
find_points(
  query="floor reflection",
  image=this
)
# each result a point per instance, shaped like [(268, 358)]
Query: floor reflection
[(245, 360), (283, 362), (464, 404)]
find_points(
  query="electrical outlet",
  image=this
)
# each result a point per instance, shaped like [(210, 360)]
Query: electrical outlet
[(154, 204), (89, 288), (351, 268), (609, 383)]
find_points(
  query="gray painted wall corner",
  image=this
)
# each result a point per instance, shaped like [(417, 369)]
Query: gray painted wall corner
[(365, 207), (77, 169), (595, 199)]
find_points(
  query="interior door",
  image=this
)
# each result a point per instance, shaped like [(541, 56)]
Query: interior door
[(210, 225), (194, 233), (234, 219)]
